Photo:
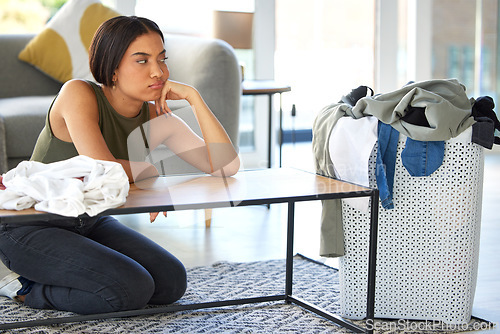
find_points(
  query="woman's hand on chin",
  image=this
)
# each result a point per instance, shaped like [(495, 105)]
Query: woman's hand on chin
[(173, 90)]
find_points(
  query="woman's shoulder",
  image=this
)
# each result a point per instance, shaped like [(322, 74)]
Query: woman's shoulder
[(79, 83), (78, 89), (74, 95)]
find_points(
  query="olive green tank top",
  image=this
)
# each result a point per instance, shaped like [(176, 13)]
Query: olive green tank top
[(115, 129)]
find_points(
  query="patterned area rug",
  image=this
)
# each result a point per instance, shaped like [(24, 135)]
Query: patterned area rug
[(314, 282)]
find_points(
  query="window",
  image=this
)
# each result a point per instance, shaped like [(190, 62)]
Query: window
[(24, 16), (464, 43), (323, 50)]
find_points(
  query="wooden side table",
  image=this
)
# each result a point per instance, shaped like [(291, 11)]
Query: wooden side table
[(269, 88)]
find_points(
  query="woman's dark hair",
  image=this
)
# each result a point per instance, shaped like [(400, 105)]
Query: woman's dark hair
[(110, 42)]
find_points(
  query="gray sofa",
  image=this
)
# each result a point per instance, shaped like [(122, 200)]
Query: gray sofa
[(26, 93)]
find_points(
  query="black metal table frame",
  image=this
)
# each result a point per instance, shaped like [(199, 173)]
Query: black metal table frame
[(288, 297)]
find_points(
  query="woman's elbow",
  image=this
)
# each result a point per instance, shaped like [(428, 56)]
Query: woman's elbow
[(229, 169), (233, 167)]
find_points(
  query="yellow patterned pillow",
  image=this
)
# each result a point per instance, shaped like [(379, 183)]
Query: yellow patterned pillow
[(61, 49)]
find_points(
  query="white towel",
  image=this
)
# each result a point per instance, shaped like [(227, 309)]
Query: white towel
[(69, 187), (351, 144)]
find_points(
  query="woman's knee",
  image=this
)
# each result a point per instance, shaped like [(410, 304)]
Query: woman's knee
[(135, 290), (171, 288), (179, 284)]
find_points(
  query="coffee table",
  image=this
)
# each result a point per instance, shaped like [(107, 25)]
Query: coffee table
[(250, 187)]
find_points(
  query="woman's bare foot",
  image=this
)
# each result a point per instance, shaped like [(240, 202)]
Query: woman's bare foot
[(21, 298)]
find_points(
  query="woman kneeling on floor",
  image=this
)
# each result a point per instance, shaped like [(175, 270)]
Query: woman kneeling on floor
[(96, 264)]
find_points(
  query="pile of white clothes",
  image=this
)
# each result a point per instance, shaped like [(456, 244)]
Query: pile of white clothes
[(69, 187)]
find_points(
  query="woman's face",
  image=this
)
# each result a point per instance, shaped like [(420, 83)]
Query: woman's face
[(142, 70)]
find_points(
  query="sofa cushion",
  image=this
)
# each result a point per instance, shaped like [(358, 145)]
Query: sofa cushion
[(20, 78), (61, 49), (23, 118)]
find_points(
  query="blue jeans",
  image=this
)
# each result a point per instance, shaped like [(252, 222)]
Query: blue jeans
[(92, 265), (420, 158), (388, 139)]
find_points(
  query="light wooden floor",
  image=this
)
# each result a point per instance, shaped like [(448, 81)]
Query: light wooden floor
[(258, 233)]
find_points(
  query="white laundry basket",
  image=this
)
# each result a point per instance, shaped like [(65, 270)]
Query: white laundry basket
[(428, 245)]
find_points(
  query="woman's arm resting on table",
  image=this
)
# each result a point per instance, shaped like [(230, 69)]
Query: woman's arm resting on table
[(214, 153)]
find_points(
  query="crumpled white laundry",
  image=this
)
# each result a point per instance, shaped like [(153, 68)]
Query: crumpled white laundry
[(351, 144), (69, 187)]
